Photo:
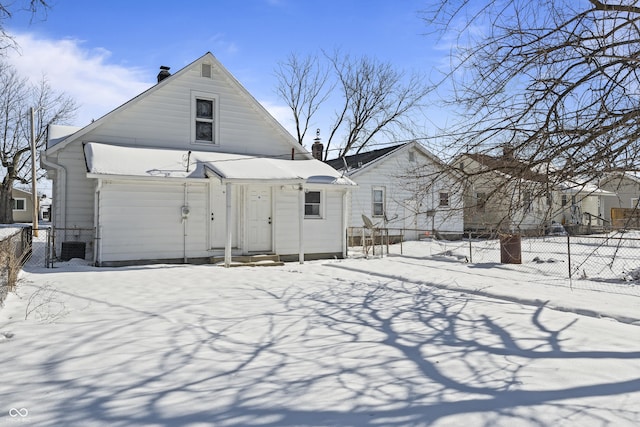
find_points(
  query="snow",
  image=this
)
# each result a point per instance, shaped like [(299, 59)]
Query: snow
[(413, 339), (104, 159)]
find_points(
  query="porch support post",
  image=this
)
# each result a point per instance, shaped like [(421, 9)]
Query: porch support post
[(345, 223), (301, 224), (229, 241)]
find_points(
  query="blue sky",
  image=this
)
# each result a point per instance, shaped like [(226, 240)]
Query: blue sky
[(104, 53)]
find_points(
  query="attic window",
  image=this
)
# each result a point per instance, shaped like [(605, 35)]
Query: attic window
[(204, 118), (412, 156), (206, 70)]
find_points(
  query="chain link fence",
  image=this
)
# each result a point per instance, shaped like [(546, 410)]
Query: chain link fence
[(605, 261), (15, 249), (55, 244)]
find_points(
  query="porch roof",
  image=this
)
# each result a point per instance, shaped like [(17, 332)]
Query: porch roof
[(114, 160)]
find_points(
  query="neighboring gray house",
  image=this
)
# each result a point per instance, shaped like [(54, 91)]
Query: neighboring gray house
[(22, 205), (404, 188), (192, 168), (626, 187)]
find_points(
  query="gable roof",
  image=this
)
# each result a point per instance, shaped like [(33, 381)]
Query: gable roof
[(358, 163), (509, 166), (208, 57), (361, 159)]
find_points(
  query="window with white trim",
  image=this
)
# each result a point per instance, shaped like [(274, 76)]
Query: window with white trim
[(19, 204), (635, 203), (443, 199), (377, 201), (313, 204), (204, 118)]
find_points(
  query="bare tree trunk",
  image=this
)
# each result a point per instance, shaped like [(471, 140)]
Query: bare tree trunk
[(6, 205)]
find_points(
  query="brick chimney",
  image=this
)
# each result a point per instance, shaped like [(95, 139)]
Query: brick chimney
[(164, 73), (317, 148)]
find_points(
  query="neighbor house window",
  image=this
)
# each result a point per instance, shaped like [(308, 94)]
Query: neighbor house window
[(377, 198), (444, 199), (412, 156), (565, 200), (634, 203), (312, 200), (481, 201), (19, 204), (204, 118)]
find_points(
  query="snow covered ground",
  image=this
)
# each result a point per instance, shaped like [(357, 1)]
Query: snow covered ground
[(422, 338)]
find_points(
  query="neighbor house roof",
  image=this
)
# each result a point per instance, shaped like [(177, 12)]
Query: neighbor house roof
[(361, 159), (507, 165), (110, 160)]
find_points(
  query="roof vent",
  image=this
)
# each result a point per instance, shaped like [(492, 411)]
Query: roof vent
[(164, 73)]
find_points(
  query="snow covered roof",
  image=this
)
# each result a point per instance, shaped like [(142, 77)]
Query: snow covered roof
[(105, 159)]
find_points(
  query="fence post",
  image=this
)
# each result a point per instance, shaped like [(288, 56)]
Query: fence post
[(569, 253), (470, 250)]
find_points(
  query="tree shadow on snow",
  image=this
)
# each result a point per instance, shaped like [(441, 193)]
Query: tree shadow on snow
[(377, 352)]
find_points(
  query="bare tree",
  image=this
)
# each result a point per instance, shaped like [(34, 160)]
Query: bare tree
[(7, 11), (17, 96), (557, 82), (370, 98), (302, 84)]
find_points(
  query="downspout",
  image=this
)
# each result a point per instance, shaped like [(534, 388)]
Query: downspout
[(61, 183), (301, 224), (185, 216), (97, 246)]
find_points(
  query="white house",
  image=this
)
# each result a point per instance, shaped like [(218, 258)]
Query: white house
[(193, 168), (405, 189)]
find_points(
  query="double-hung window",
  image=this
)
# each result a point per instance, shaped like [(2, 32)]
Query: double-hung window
[(204, 116), (312, 204), (444, 199), (377, 198)]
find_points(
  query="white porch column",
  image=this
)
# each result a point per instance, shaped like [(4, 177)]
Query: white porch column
[(301, 224), (345, 223), (229, 240)]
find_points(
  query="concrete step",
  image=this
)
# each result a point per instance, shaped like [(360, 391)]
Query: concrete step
[(262, 260)]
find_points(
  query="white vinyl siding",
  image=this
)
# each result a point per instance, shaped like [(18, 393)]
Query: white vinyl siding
[(163, 119), (325, 235), (148, 216), (401, 209)]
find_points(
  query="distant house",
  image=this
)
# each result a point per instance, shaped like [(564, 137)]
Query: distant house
[(22, 205), (626, 187), (405, 189), (190, 169), (505, 194)]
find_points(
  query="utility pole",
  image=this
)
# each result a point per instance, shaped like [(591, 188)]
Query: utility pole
[(34, 189)]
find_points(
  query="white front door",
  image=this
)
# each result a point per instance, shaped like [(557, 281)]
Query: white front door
[(259, 219)]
